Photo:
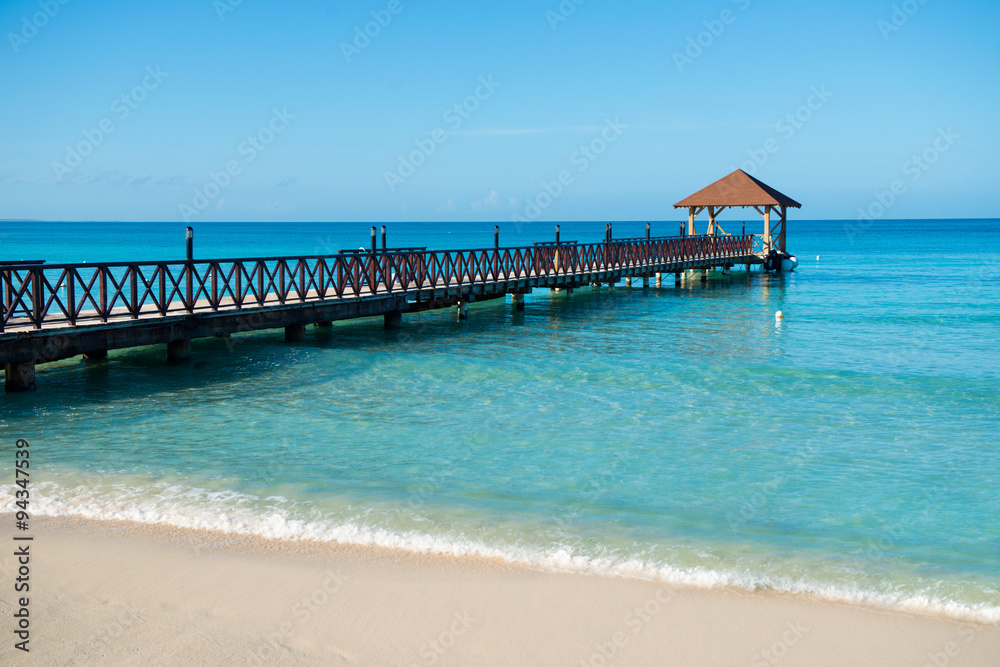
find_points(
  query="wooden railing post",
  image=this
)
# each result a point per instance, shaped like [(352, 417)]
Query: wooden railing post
[(102, 272), (281, 282), (134, 287), (214, 268), (238, 277), (189, 288), (321, 278), (303, 288), (4, 297), (162, 270), (36, 298), (70, 296)]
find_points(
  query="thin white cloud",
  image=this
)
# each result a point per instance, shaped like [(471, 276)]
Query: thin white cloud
[(171, 180), (669, 126), (491, 201), (505, 132), (684, 126)]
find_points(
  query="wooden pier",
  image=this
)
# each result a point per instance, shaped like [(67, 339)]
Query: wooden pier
[(57, 311)]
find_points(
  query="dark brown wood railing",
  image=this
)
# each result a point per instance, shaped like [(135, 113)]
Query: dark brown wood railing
[(72, 294)]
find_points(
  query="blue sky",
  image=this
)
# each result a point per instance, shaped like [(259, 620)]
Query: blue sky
[(228, 110)]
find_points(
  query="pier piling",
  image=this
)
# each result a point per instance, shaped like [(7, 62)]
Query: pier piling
[(20, 377), (295, 332), (393, 319), (178, 350)]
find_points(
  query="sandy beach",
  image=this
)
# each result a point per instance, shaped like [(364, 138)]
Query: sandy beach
[(106, 592)]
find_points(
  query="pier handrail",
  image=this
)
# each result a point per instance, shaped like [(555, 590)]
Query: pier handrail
[(73, 294)]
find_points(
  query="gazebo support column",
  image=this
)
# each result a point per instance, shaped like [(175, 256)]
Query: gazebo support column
[(784, 217), (767, 229)]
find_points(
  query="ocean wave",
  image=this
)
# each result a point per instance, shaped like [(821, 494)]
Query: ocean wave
[(236, 513)]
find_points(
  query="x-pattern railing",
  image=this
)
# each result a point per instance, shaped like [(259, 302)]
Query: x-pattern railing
[(73, 294)]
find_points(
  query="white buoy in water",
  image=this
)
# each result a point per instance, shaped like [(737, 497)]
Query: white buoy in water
[(779, 315), (817, 258), (788, 264)]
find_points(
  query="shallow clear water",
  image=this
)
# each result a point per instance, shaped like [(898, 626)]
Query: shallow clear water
[(849, 451)]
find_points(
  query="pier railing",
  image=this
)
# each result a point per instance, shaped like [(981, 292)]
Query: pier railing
[(73, 294)]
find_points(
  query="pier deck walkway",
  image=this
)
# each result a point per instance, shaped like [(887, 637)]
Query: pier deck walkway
[(57, 311)]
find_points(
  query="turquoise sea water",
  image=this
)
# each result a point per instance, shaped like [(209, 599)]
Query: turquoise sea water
[(849, 451)]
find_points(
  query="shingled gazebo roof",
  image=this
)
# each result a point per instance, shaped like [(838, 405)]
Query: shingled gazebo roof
[(738, 189)]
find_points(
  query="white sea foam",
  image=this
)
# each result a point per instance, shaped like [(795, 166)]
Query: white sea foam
[(236, 513)]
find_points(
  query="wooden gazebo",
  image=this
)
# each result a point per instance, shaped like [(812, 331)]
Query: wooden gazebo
[(741, 190)]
